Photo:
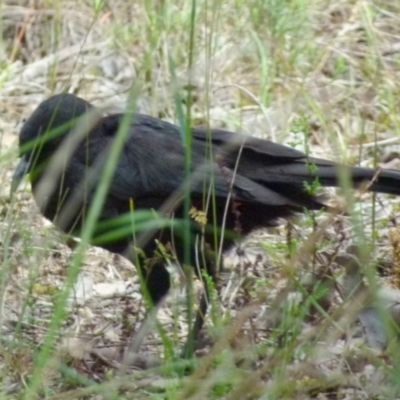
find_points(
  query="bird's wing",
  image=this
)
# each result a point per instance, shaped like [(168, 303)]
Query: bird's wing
[(152, 162), (232, 142), (267, 162), (153, 158)]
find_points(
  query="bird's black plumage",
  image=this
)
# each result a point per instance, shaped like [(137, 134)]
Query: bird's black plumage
[(241, 183)]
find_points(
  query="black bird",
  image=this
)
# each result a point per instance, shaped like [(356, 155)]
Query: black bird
[(236, 183)]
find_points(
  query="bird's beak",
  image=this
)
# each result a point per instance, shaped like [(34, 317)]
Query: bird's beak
[(19, 173)]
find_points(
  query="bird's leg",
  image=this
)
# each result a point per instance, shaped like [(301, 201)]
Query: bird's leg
[(194, 333), (155, 281), (201, 313), (136, 342)]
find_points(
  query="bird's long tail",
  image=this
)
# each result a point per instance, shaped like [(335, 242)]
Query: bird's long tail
[(329, 174)]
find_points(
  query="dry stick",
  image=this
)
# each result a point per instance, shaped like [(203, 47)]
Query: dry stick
[(21, 34)]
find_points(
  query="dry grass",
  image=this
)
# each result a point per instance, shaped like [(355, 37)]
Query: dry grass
[(269, 68)]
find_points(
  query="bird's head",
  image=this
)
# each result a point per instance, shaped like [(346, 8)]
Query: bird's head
[(44, 131)]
